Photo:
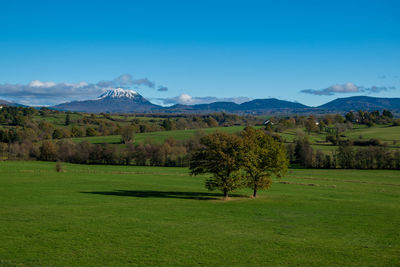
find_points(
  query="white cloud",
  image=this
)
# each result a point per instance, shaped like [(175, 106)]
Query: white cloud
[(347, 88), (185, 99), (39, 92), (37, 83), (126, 80), (343, 88)]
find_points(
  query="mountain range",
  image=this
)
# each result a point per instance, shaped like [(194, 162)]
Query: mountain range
[(129, 101)]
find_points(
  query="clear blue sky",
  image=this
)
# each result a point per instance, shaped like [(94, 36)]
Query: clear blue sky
[(223, 49)]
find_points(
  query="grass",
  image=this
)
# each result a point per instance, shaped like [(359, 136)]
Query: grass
[(390, 135), (124, 216), (387, 134), (158, 137), (382, 132), (58, 120)]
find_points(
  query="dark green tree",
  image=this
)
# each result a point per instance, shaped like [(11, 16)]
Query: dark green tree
[(76, 132), (90, 131), (67, 120), (127, 134), (57, 134), (346, 155), (262, 157), (219, 155)]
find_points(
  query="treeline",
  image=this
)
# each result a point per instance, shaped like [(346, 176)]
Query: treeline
[(347, 156), (370, 118), (332, 123), (177, 153), (168, 153)]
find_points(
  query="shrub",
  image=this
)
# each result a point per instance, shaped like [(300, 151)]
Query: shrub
[(59, 167), (370, 142)]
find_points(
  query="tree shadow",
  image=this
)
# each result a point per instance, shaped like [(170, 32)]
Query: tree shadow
[(163, 194)]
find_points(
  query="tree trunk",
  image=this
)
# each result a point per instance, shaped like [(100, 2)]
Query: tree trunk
[(225, 193), (255, 191)]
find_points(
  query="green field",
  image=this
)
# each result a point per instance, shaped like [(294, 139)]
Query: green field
[(124, 216), (58, 119), (388, 134), (158, 137), (382, 132)]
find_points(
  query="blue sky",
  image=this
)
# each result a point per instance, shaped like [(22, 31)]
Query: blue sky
[(305, 51)]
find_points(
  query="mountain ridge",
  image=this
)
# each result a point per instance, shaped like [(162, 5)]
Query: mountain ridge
[(121, 100), (362, 102), (129, 101)]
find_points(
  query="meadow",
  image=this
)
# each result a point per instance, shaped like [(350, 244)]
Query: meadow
[(122, 216), (389, 135), (159, 137)]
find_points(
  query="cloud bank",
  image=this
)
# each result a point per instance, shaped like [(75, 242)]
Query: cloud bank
[(185, 99), (49, 93), (347, 88)]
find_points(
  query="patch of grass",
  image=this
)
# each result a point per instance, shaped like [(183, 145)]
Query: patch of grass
[(158, 137), (382, 132), (124, 216)]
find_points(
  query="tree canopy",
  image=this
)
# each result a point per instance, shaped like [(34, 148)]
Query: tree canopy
[(262, 157), (219, 155)]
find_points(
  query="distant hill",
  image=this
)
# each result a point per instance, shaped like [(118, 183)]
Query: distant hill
[(112, 101), (204, 108), (4, 102), (270, 103), (7, 103), (254, 106), (362, 103)]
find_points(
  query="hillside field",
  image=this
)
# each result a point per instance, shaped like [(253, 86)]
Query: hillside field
[(159, 137), (390, 135), (123, 216)]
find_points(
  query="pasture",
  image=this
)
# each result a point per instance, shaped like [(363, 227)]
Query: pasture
[(389, 135), (124, 216), (158, 137)]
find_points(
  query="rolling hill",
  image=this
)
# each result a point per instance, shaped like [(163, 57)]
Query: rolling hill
[(362, 103)]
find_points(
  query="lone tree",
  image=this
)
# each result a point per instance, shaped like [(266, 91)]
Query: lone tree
[(262, 157), (67, 120), (127, 134), (220, 156)]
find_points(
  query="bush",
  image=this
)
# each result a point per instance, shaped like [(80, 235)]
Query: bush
[(370, 142), (59, 167), (396, 122), (91, 132)]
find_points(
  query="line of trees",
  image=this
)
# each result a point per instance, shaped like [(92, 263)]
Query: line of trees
[(168, 153), (371, 155)]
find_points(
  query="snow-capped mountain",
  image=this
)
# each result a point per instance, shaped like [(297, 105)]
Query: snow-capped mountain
[(113, 100), (119, 93)]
